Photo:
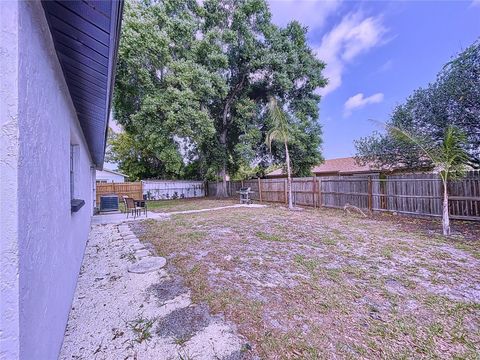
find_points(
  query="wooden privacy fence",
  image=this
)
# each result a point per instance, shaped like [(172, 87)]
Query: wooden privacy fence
[(305, 190), (412, 194), (130, 189)]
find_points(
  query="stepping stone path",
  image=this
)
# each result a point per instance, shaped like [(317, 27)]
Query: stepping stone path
[(141, 253), (139, 292), (147, 265), (138, 246)]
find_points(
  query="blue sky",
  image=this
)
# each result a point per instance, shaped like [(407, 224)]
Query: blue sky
[(377, 53)]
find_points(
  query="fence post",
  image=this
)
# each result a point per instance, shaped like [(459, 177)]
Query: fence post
[(314, 182), (319, 193), (259, 189), (370, 196)]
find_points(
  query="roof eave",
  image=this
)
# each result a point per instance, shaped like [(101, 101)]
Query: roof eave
[(113, 52)]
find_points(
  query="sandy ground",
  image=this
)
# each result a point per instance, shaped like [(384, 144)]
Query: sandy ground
[(117, 314), (321, 284)]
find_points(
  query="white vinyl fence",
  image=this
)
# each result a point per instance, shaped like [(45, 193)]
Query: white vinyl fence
[(172, 189)]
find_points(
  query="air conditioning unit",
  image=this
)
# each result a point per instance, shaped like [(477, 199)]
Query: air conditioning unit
[(108, 203)]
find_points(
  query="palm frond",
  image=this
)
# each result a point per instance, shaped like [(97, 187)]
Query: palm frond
[(272, 135), (415, 140), (280, 127)]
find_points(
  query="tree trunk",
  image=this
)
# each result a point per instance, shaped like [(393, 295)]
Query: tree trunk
[(445, 215), (289, 177), (222, 186), (222, 189)]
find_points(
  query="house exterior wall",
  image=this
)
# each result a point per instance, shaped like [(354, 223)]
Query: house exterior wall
[(46, 241), (109, 177), (9, 295)]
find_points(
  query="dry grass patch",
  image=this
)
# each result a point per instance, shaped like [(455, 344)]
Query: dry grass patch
[(187, 204), (319, 284)]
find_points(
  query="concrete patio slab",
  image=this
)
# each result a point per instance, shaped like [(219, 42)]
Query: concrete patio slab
[(122, 218)]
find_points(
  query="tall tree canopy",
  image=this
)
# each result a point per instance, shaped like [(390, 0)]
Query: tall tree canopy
[(192, 87), (453, 99)]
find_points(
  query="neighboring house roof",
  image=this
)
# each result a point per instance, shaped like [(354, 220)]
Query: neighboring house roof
[(277, 172), (114, 172), (346, 165), (86, 34), (340, 166)]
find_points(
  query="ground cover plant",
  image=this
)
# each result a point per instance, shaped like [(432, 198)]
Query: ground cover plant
[(322, 284)]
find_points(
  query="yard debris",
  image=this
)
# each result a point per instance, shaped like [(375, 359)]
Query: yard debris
[(349, 207)]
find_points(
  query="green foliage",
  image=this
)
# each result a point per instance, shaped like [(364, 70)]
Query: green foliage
[(280, 127), (448, 158), (452, 100), (192, 86), (246, 172)]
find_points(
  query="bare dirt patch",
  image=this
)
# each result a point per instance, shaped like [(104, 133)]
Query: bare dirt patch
[(322, 284)]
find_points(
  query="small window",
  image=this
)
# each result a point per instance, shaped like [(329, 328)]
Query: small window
[(72, 171), (75, 203)]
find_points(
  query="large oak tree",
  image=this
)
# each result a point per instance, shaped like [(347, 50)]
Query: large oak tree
[(193, 83)]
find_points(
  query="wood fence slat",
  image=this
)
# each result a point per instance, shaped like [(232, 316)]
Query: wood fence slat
[(130, 189)]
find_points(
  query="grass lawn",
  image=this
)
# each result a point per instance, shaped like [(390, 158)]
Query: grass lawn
[(322, 284), (184, 204), (187, 204)]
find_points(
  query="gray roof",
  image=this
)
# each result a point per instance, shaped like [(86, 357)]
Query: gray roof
[(114, 172), (86, 34)]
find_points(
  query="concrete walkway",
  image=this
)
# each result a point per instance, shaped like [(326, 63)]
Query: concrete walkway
[(127, 306), (120, 218)]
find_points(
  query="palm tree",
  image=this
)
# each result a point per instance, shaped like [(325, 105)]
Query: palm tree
[(280, 131), (449, 159)]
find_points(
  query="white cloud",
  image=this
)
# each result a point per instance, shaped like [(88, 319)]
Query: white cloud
[(353, 36), (308, 12), (386, 66), (475, 3), (359, 101)]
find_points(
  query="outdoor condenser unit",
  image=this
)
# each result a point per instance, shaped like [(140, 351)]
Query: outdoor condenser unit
[(109, 203)]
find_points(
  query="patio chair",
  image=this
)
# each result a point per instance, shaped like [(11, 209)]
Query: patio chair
[(141, 206), (130, 207), (124, 199)]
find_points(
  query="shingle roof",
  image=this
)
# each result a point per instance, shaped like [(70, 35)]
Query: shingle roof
[(275, 172), (341, 166)]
